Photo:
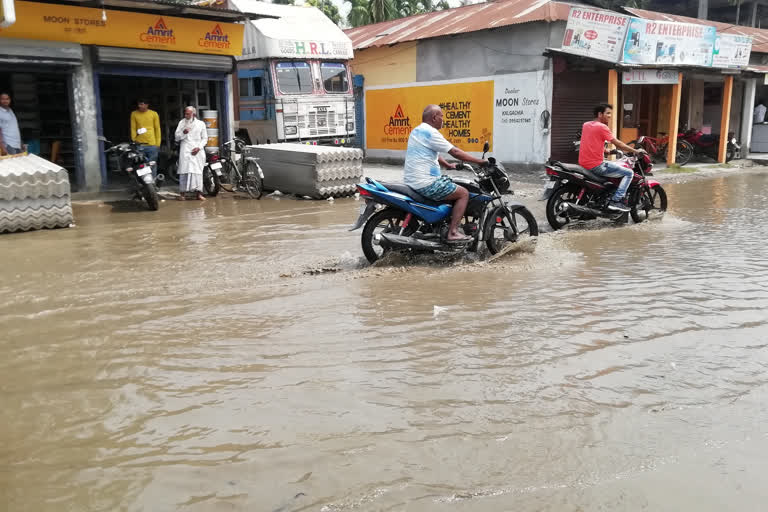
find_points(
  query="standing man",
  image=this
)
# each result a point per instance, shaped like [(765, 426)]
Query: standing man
[(10, 137), (145, 130), (192, 135), (759, 112), (594, 135)]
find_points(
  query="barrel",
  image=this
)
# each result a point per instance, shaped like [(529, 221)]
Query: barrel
[(213, 136), (211, 118)]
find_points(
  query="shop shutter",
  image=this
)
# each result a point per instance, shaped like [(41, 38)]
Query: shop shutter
[(164, 59), (28, 51), (575, 94)]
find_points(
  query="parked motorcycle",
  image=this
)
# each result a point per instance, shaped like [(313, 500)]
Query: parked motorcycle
[(709, 145), (212, 173), (574, 193), (135, 164), (397, 218)]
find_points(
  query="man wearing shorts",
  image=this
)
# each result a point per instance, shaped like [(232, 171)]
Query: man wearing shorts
[(422, 167)]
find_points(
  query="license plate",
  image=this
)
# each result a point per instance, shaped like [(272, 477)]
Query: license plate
[(216, 166), (143, 171), (218, 172), (551, 184)]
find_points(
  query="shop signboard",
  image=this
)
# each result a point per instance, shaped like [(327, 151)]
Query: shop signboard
[(731, 51), (650, 76), (670, 43), (595, 33), (391, 113), (519, 126), (54, 22)]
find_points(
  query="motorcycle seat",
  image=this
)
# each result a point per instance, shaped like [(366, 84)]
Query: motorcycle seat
[(587, 174), (401, 188)]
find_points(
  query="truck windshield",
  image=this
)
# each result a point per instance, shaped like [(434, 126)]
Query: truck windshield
[(334, 76), (294, 77)]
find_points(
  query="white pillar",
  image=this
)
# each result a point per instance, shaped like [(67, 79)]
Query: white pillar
[(85, 122), (703, 8), (746, 115)]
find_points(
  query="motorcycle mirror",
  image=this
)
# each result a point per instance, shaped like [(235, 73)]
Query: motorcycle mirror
[(486, 147)]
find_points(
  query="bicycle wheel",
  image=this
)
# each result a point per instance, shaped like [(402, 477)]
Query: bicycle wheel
[(229, 176), (252, 181)]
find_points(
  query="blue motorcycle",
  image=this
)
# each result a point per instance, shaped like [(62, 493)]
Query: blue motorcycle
[(397, 218)]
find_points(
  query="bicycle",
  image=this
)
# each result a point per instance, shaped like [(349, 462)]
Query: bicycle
[(657, 148), (241, 172)]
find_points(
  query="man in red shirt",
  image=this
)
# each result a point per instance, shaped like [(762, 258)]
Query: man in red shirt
[(594, 135)]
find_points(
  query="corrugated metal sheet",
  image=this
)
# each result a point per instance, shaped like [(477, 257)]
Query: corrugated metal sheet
[(759, 36), (459, 20)]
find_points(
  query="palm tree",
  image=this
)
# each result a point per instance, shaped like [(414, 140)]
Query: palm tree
[(381, 10), (359, 14)]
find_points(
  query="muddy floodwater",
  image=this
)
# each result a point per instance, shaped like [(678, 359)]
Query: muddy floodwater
[(238, 355)]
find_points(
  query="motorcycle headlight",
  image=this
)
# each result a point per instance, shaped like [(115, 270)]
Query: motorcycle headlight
[(291, 130)]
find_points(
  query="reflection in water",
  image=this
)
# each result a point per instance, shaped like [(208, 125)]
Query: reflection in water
[(187, 359)]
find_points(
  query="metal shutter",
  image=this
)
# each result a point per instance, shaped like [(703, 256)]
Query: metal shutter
[(165, 59), (575, 94)]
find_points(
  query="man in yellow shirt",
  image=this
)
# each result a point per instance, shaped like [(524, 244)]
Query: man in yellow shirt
[(145, 130)]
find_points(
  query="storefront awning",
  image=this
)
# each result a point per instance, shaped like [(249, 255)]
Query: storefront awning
[(43, 52), (164, 59)]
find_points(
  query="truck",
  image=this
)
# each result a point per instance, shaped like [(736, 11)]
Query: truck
[(293, 78)]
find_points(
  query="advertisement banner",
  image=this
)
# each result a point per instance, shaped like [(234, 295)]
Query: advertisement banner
[(391, 114), (519, 124), (650, 76), (54, 22), (595, 33), (731, 51), (666, 42)]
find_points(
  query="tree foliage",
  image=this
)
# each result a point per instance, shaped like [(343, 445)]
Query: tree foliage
[(283, 2), (328, 8), (365, 12)]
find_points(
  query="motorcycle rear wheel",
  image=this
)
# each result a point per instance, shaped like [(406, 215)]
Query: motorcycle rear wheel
[(211, 182), (149, 192), (557, 214), (387, 220), (654, 200), (172, 171), (497, 228)]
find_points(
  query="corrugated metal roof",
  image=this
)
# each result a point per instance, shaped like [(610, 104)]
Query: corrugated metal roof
[(458, 20), (759, 36)]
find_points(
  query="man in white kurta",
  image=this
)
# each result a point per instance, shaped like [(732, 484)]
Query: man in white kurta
[(192, 134)]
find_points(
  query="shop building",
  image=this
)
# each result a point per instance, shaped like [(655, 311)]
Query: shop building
[(75, 74), (541, 91), (483, 63)]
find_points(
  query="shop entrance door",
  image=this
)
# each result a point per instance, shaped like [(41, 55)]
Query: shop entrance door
[(41, 102), (168, 97)]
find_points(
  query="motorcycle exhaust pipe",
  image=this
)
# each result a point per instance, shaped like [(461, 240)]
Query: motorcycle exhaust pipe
[(583, 210)]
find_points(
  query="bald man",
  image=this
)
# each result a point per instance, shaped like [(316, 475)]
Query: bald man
[(422, 168)]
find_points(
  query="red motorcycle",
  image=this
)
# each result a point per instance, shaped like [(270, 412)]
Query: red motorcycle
[(709, 145), (574, 193)]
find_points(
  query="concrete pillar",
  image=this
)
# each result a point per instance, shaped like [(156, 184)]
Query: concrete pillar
[(85, 122), (674, 119), (726, 115), (753, 18), (613, 98), (747, 108), (703, 9)]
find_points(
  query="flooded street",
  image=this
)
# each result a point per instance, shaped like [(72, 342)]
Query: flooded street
[(239, 355)]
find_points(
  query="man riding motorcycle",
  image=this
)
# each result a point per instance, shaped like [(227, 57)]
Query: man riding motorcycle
[(594, 135), (422, 168)]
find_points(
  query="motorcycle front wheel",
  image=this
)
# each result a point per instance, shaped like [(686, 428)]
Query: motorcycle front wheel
[(650, 202), (499, 233), (557, 210), (149, 192)]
